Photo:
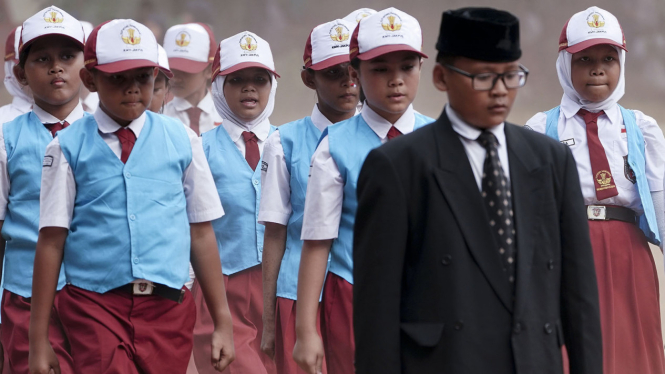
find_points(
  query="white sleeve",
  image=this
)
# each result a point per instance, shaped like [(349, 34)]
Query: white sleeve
[(203, 203), (537, 123), (275, 205), (58, 190), (4, 177), (654, 150), (324, 197)]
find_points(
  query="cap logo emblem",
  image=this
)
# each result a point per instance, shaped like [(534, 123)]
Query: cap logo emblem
[(339, 33), (595, 20), (131, 35), (391, 22), (248, 43), (183, 39), (53, 16), (361, 15)]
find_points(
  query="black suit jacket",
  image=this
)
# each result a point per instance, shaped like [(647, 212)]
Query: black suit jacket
[(430, 295)]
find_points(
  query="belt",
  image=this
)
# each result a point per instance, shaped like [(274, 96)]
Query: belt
[(608, 212), (150, 288)]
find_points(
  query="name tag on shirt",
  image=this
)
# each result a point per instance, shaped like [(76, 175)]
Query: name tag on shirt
[(48, 161), (568, 142)]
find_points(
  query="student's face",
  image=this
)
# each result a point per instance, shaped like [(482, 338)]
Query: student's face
[(185, 84), (52, 71), (595, 72), (390, 82), (481, 109), (247, 92), (158, 94), (334, 87), (123, 96)]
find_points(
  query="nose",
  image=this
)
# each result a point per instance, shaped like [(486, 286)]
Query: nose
[(132, 87), (56, 68), (499, 88)]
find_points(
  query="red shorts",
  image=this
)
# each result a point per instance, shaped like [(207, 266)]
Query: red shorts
[(117, 332), (15, 326), (337, 325)]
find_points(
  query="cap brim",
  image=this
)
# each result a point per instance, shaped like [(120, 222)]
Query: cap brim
[(330, 62), (78, 42), (117, 67), (186, 65), (384, 49), (244, 65), (167, 72), (590, 43)]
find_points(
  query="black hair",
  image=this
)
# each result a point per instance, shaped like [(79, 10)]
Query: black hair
[(23, 56), (355, 63), (446, 58)]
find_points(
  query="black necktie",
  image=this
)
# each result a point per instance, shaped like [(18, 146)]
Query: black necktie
[(498, 203)]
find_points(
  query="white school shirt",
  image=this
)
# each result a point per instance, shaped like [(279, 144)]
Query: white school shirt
[(59, 187), (5, 183), (91, 102), (17, 107), (276, 180), (262, 130), (177, 107), (611, 132), (325, 188), (475, 152)]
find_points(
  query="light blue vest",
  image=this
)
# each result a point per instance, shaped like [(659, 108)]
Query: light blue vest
[(239, 235), (636, 160), (130, 220), (350, 143), (299, 139)]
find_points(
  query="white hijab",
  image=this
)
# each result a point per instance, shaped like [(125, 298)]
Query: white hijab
[(227, 114), (13, 86), (563, 68)]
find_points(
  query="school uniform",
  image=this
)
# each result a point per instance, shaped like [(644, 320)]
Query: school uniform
[(329, 213), (22, 145), (91, 102), (18, 106), (208, 118)]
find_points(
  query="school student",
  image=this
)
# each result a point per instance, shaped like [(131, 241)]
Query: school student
[(243, 89), (620, 158), (21, 96), (161, 83), (285, 169), (127, 199), (471, 250), (49, 62), (386, 57), (191, 50), (358, 14)]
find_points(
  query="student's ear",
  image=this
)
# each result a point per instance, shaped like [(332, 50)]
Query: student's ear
[(155, 72), (88, 79), (208, 72), (308, 79), (19, 73), (439, 78)]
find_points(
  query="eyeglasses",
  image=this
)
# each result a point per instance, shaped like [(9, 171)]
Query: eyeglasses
[(487, 81)]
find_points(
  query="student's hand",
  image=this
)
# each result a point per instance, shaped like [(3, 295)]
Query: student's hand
[(268, 340), (308, 353), (42, 359), (223, 351)]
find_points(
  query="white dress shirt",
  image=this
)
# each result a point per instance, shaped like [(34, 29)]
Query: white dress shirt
[(17, 107), (262, 130), (325, 188), (91, 102), (612, 135), (5, 183), (474, 150), (177, 107), (59, 187)]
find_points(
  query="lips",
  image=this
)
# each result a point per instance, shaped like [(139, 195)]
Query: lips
[(498, 108), (249, 102), (58, 82)]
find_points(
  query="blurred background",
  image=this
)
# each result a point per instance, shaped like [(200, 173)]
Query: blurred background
[(285, 24)]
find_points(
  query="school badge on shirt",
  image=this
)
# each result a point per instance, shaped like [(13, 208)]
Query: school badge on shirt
[(48, 161)]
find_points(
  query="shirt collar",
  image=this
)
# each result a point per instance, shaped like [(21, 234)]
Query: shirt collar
[(262, 130), (206, 104), (469, 132), (319, 120), (381, 126), (570, 109), (21, 104), (107, 125), (45, 117), (91, 102)]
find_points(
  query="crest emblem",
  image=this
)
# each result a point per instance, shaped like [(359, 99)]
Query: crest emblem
[(361, 15), (53, 16), (604, 178), (391, 22), (339, 33), (595, 20), (248, 43), (596, 212), (131, 35), (143, 287), (628, 171), (183, 39)]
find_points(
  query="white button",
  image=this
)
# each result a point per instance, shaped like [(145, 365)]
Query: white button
[(128, 175), (256, 182), (132, 217), (136, 260)]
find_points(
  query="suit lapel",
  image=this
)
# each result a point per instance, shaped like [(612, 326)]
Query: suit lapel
[(456, 180)]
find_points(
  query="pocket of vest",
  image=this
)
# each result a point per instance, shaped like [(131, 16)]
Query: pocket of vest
[(425, 334)]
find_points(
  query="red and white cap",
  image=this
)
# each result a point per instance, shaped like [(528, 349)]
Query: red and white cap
[(51, 21), (241, 51), (11, 45), (386, 31), (359, 14), (120, 45), (591, 27), (190, 47), (328, 44), (163, 61)]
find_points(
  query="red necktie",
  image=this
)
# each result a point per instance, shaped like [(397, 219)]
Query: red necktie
[(55, 127), (194, 115), (600, 167), (127, 140), (252, 154), (393, 133)]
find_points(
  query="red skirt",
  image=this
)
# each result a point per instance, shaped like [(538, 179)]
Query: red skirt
[(337, 325), (629, 300)]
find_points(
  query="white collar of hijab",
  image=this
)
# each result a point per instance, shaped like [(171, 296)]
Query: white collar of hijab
[(227, 114), (13, 86)]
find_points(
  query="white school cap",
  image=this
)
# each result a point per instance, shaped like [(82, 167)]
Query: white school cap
[(190, 47), (87, 28), (386, 31), (120, 45), (163, 61), (359, 14), (51, 21), (11, 45), (328, 44), (241, 51), (591, 27)]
